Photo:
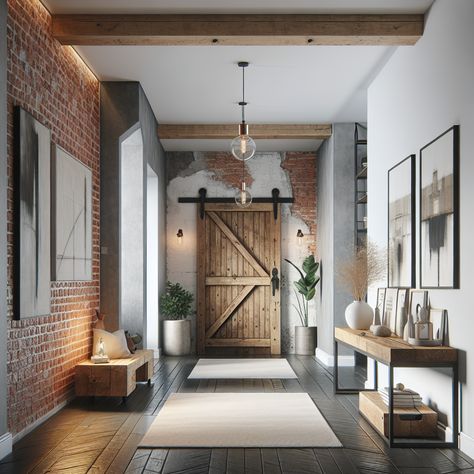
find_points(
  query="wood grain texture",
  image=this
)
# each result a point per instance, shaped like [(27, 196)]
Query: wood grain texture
[(102, 436), (394, 350), (256, 131), (117, 378), (237, 250), (249, 29)]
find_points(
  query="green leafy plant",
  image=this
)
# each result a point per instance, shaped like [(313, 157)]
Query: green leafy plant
[(305, 286), (176, 302)]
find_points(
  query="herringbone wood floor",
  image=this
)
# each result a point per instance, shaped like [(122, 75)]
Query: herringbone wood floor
[(102, 435)]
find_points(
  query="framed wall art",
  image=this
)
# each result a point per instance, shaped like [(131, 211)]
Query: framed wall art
[(439, 211), (72, 218), (390, 309), (417, 297), (32, 200), (401, 224)]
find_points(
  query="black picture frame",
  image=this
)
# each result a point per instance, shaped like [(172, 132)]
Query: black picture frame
[(434, 224), (407, 166)]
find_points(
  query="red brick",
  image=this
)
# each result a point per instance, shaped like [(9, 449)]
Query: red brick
[(52, 83)]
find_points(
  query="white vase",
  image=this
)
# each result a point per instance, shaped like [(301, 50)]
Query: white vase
[(359, 315)]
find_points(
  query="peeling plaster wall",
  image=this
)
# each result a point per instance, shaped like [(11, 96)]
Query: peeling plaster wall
[(219, 173)]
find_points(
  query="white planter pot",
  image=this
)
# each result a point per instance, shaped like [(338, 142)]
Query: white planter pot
[(177, 337), (305, 340), (359, 315)]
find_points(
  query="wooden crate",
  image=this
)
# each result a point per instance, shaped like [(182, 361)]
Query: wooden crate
[(418, 422), (117, 378)]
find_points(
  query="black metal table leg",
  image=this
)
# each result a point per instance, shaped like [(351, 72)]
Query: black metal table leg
[(337, 389), (390, 406)]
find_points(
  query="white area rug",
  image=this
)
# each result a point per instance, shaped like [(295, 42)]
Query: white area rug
[(242, 369), (239, 420)]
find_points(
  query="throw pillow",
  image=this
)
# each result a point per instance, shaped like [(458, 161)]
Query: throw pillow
[(115, 343)]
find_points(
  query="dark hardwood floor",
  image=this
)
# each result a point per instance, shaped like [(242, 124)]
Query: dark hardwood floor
[(102, 435)]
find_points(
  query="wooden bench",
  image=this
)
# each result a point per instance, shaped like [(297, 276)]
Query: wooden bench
[(118, 378)]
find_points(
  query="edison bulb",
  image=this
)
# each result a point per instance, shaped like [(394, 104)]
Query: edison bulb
[(243, 198), (243, 147)]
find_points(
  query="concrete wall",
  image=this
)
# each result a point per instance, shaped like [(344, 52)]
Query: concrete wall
[(420, 93), (119, 112), (335, 241), (124, 108), (190, 171), (5, 441)]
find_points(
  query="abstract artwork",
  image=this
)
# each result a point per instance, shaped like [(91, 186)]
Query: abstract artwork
[(32, 217), (401, 224), (390, 309), (438, 319), (439, 212), (72, 218)]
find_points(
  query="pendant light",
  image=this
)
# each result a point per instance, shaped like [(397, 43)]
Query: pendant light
[(243, 147), (243, 198)]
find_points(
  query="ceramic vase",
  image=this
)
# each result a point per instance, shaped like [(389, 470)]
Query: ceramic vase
[(409, 330), (177, 337), (359, 315), (305, 340)]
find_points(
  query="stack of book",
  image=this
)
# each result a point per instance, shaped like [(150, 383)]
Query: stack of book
[(402, 398)]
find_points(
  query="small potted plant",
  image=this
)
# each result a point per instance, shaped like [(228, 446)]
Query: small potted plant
[(305, 335), (175, 306)]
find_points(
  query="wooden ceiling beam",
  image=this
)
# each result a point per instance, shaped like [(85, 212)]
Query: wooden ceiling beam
[(253, 30), (257, 131)]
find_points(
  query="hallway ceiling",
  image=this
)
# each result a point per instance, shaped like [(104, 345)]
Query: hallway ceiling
[(284, 84)]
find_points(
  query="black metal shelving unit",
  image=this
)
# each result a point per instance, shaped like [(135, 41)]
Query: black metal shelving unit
[(360, 184), (360, 200)]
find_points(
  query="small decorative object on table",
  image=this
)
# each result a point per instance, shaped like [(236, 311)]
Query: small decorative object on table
[(381, 331), (101, 357), (360, 270)]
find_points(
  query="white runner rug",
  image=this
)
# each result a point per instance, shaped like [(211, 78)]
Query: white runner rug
[(239, 420), (242, 369)]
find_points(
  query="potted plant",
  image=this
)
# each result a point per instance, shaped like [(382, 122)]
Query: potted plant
[(357, 272), (175, 306), (305, 335)]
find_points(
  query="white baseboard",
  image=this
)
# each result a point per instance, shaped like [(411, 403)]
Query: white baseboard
[(157, 353), (466, 444), (328, 359), (6, 444), (39, 421)]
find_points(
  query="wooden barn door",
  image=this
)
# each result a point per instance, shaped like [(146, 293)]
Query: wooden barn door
[(238, 302)]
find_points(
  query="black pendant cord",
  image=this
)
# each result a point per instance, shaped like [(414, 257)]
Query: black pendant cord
[(243, 95)]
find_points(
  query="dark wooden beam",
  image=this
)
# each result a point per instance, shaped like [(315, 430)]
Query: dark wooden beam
[(257, 131), (253, 30)]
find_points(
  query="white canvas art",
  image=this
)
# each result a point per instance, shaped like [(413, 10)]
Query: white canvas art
[(32, 169), (401, 242), (72, 218), (438, 227)]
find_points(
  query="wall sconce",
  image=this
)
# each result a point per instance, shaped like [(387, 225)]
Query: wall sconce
[(179, 236), (299, 237)]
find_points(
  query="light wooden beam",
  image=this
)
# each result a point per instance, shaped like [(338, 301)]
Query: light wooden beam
[(258, 131), (253, 30)]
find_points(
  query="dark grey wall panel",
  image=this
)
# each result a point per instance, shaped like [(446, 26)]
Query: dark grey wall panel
[(119, 111), (3, 217)]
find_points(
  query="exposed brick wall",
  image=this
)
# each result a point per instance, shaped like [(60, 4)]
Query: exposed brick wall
[(301, 169), (53, 84), (227, 169)]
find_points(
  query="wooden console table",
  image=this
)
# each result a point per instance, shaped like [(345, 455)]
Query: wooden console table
[(395, 352)]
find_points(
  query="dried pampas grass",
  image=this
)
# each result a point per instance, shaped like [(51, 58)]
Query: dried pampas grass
[(364, 268)]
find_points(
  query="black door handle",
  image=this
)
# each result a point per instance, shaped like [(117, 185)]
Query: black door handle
[(275, 281)]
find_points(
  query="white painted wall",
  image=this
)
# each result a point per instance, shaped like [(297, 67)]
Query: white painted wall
[(152, 277), (421, 92), (267, 173)]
